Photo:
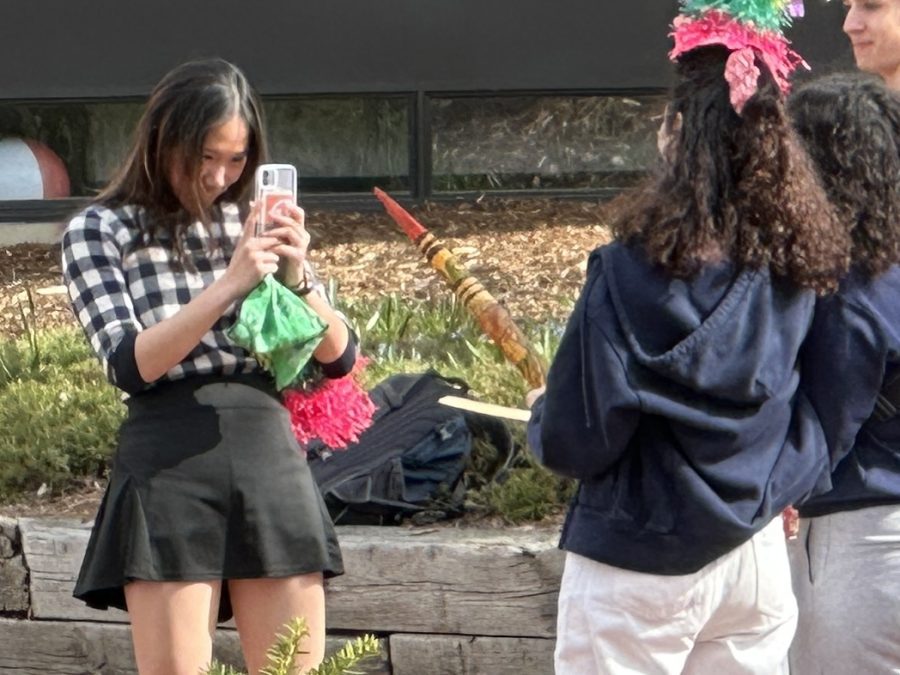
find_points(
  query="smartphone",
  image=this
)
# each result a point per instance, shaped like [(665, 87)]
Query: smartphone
[(275, 186)]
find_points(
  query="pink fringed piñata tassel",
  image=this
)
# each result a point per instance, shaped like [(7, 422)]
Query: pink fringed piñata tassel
[(336, 412)]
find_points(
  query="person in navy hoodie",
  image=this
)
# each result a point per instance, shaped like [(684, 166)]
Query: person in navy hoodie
[(674, 395), (846, 561)]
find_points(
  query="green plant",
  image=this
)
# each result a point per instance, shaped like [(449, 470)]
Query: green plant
[(394, 327), (402, 335), (282, 655), (364, 647), (529, 493), (58, 414), (13, 364)]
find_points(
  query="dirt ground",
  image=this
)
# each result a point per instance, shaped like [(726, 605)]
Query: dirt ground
[(530, 254)]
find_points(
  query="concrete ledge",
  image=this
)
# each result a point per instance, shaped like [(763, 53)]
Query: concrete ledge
[(30, 233)]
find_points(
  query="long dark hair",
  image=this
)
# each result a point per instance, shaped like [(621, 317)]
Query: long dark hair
[(850, 124), (188, 102), (734, 187)]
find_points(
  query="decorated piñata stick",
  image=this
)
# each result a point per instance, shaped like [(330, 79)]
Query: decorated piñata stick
[(493, 317)]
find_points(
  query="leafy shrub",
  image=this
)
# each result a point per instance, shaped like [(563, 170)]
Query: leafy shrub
[(529, 493), (58, 414), (406, 336)]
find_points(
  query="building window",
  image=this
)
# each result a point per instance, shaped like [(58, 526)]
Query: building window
[(342, 144), (90, 138), (349, 144), (542, 142)]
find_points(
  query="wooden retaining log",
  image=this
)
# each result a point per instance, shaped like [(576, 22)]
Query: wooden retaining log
[(444, 600), (466, 654), (13, 575), (439, 581), (83, 647), (447, 581)]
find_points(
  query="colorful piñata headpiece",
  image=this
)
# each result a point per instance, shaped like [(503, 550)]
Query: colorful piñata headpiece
[(748, 28)]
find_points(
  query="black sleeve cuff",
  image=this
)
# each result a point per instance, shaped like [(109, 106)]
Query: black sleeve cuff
[(123, 369), (343, 364)]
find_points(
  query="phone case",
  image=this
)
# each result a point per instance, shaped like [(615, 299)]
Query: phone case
[(275, 184)]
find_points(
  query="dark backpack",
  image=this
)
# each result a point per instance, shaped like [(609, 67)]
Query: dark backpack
[(412, 456)]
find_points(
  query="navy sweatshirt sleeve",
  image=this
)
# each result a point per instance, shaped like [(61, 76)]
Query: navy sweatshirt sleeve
[(843, 365), (583, 423)]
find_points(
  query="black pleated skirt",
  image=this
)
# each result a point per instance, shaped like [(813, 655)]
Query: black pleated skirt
[(208, 483)]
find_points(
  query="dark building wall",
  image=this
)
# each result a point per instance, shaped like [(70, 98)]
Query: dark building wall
[(116, 48), (567, 93)]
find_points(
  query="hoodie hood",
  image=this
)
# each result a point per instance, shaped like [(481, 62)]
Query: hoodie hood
[(689, 331)]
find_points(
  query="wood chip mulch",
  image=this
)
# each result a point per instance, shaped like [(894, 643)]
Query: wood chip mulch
[(530, 254)]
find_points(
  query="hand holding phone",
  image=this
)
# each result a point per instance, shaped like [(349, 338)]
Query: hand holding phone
[(275, 188)]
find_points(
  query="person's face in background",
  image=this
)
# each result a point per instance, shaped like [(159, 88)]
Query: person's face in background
[(873, 27), (223, 162)]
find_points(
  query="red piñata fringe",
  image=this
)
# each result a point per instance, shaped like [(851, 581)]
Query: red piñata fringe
[(718, 28), (336, 412)]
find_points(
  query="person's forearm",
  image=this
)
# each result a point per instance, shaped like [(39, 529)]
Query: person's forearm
[(335, 340), (164, 345)]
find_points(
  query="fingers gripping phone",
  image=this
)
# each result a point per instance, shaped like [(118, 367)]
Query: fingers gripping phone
[(275, 186)]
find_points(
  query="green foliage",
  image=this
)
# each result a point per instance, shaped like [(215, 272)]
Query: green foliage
[(396, 328), (282, 654), (364, 647), (59, 416), (528, 494), (403, 335)]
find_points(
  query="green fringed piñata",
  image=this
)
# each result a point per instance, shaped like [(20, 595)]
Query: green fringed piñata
[(764, 14)]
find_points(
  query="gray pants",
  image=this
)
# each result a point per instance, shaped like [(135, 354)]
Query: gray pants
[(846, 573)]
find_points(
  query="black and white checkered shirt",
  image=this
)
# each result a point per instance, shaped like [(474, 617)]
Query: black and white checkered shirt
[(119, 286)]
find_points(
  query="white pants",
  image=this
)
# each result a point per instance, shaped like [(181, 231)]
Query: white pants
[(737, 615), (847, 581)]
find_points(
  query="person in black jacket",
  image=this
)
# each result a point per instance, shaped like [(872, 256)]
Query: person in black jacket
[(846, 561), (674, 396)]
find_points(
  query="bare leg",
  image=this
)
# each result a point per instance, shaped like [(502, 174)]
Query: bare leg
[(262, 607), (172, 625)]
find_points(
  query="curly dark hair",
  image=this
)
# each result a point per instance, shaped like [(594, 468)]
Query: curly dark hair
[(850, 124), (734, 187)]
